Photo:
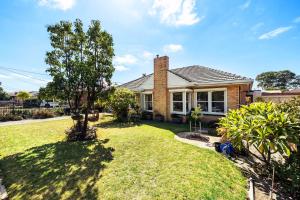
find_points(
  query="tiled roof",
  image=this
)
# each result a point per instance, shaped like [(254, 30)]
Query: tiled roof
[(206, 75), (135, 83), (197, 74)]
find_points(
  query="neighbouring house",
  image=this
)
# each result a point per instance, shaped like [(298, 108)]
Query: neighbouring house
[(169, 92), (276, 96)]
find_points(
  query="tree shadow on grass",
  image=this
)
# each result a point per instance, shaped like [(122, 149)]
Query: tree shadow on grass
[(68, 170)]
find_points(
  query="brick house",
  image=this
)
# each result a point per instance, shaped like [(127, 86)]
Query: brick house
[(177, 91)]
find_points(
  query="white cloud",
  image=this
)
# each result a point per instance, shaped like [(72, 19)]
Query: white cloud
[(297, 20), (125, 59), (57, 4), (5, 76), (274, 33), (172, 48), (147, 55), (176, 12), (256, 27), (121, 68), (245, 5)]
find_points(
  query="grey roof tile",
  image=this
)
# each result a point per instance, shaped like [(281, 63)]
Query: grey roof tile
[(195, 73)]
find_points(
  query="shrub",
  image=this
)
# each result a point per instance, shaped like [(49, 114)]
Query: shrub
[(43, 114), (10, 117), (263, 125), (59, 111), (120, 102), (289, 174)]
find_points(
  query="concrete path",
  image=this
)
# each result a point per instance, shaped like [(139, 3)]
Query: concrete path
[(28, 121), (208, 145)]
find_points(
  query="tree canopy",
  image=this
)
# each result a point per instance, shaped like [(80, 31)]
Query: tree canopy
[(80, 64), (278, 80), (23, 95), (3, 94)]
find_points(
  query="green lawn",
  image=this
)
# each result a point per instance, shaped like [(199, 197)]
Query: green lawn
[(127, 162)]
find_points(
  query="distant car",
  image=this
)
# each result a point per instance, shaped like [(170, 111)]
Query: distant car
[(49, 104)]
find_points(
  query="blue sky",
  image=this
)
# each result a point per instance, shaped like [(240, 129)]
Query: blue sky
[(245, 37)]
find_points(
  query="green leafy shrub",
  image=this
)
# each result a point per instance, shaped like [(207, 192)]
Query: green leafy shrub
[(10, 117), (289, 175), (263, 125), (120, 102), (58, 111), (43, 114)]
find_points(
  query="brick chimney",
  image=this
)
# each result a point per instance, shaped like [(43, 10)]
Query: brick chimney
[(160, 92)]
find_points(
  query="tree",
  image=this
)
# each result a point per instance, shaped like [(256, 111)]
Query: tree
[(263, 125), (81, 66), (3, 95), (196, 114), (278, 80), (120, 102), (23, 95)]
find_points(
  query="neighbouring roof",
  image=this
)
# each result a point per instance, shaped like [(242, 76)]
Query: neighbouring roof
[(196, 74)]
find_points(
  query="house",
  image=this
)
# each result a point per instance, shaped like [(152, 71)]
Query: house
[(276, 96), (176, 91)]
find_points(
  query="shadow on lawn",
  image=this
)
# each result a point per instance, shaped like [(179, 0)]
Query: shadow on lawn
[(69, 169)]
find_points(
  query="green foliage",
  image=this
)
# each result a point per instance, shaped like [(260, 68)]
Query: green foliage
[(292, 107), (278, 80), (120, 102), (263, 125), (196, 113), (3, 95), (289, 174), (80, 64), (10, 117), (23, 95)]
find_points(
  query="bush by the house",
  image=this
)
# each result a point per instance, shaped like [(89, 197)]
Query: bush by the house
[(43, 114), (120, 102), (262, 125)]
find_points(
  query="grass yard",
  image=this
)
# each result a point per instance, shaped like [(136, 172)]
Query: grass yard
[(127, 162)]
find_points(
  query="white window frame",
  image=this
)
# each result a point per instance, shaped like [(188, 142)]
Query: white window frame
[(209, 92), (184, 93), (144, 100)]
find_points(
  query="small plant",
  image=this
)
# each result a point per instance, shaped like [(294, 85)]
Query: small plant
[(195, 115)]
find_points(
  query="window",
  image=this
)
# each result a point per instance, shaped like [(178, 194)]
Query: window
[(217, 99), (202, 100), (177, 102), (148, 102), (213, 101)]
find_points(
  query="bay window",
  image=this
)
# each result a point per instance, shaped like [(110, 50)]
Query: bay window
[(213, 101)]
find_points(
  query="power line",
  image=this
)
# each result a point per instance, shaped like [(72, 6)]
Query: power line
[(27, 76), (30, 72)]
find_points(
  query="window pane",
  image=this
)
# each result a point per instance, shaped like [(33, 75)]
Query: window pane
[(178, 106), (217, 96), (218, 107), (204, 106), (148, 106), (202, 96), (177, 96), (148, 97)]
